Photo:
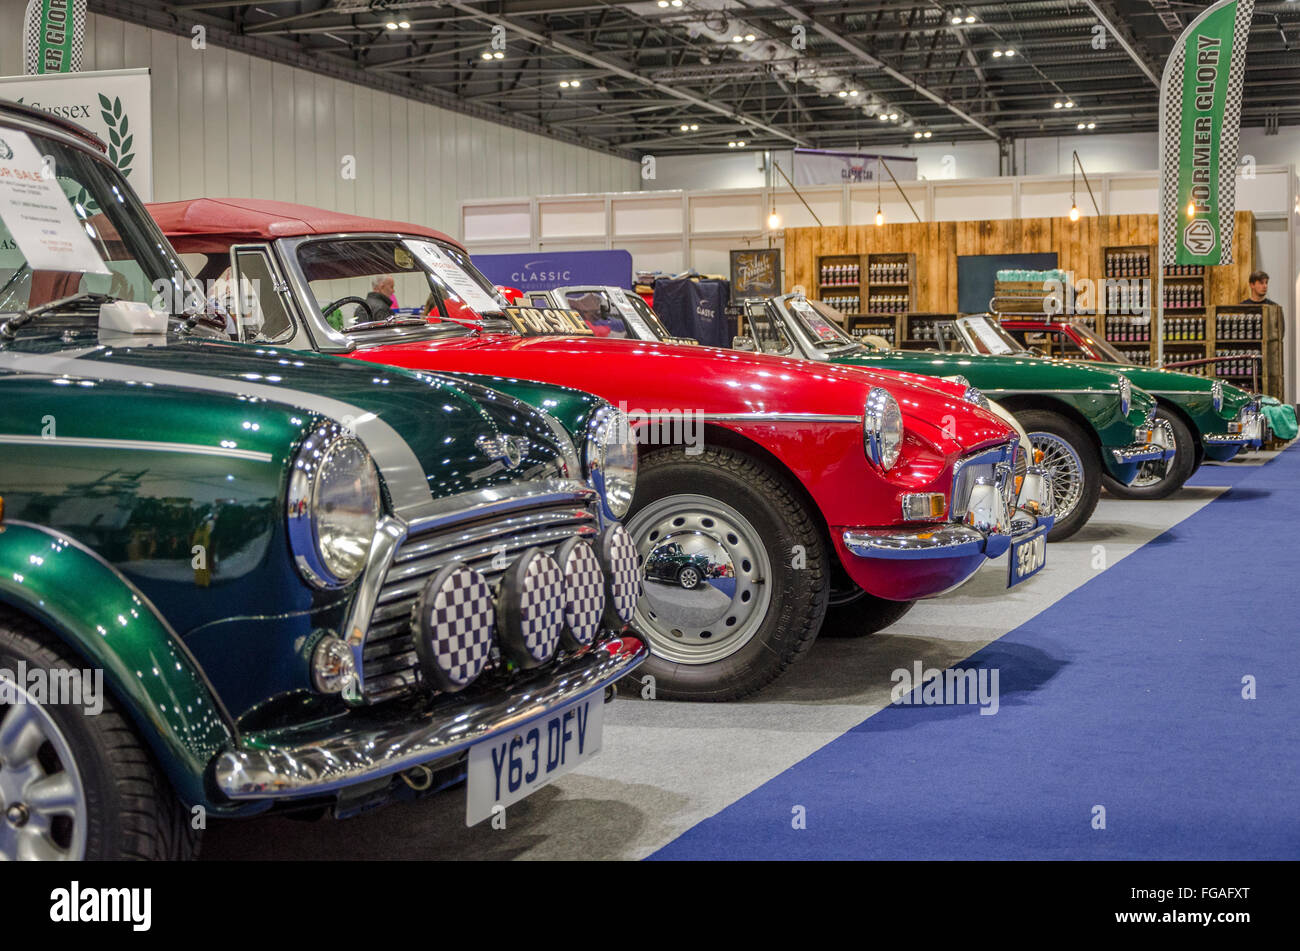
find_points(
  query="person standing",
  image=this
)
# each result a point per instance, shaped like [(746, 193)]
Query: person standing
[(1258, 282)]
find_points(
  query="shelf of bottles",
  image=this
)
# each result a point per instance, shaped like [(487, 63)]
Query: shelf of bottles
[(838, 271), (891, 283), (1128, 262), (864, 326), (844, 303)]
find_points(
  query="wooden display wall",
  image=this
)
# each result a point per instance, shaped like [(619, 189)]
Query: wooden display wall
[(937, 245)]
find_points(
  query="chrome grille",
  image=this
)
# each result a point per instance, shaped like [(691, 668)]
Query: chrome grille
[(487, 544)]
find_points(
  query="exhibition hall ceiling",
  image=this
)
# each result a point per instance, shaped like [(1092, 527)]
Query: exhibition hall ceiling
[(673, 76)]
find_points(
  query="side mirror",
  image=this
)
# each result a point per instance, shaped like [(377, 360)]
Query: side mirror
[(743, 342)]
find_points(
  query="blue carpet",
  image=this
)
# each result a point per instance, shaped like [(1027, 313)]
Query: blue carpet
[(1126, 694)]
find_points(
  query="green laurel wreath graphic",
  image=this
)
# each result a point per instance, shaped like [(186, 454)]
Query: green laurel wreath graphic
[(120, 142)]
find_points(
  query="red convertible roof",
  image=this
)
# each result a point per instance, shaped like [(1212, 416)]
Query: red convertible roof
[(214, 224)]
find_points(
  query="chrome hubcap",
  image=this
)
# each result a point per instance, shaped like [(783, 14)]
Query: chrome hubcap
[(1151, 473), (1066, 470), (41, 795), (699, 621)]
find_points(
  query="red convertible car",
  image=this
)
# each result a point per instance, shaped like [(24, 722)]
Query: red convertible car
[(802, 485)]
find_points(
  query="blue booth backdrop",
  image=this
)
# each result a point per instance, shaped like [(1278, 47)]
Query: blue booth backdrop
[(541, 271)]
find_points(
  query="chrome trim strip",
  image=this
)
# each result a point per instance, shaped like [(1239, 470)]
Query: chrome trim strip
[(485, 502), (949, 541), (336, 757), (1226, 439), (773, 417), (389, 535), (1052, 390), (143, 445)]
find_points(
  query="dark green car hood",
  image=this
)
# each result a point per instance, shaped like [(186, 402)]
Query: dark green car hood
[(423, 429), (1172, 382), (993, 373)]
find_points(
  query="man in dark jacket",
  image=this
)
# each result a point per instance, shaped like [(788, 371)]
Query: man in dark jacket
[(1258, 289), (380, 300)]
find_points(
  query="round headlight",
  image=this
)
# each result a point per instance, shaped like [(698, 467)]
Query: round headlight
[(1125, 395), (882, 424), (976, 396), (334, 506), (611, 459), (1216, 391)]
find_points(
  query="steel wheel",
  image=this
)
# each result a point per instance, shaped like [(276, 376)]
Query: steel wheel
[(42, 801), (719, 614), (1150, 473), (1065, 468)]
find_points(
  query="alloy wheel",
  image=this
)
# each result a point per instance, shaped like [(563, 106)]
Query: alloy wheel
[(42, 800)]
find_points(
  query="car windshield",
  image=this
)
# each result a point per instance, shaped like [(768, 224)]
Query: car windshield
[(819, 323), (982, 334), (364, 284), (615, 312), (71, 227), (1107, 353), (767, 333)]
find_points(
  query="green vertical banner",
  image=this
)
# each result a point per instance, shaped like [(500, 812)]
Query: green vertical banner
[(1200, 125), (53, 31)]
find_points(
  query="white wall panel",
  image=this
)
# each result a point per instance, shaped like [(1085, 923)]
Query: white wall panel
[(229, 124)]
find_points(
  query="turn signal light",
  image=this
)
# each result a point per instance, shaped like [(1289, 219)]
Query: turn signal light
[(924, 505)]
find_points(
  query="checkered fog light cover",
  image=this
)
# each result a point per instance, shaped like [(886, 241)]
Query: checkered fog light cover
[(532, 608), (454, 616), (584, 593), (622, 574)]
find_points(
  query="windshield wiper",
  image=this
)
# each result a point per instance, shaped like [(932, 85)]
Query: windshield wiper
[(9, 329)]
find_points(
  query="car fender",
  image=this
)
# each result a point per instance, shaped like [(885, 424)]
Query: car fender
[(112, 626)]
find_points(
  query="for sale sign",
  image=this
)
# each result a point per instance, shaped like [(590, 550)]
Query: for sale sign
[(1200, 122)]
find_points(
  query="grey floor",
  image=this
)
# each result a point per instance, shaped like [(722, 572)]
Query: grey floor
[(665, 766)]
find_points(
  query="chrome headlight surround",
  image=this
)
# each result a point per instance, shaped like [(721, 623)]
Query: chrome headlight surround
[(333, 506), (882, 428), (610, 460), (976, 396), (1216, 393), (1125, 394)]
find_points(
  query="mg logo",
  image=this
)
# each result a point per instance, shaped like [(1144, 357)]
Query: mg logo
[(1199, 237)]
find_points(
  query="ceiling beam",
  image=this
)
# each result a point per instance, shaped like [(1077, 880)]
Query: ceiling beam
[(1124, 38)]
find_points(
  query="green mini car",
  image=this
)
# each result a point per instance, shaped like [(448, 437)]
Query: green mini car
[(236, 581), (671, 564), (1087, 423)]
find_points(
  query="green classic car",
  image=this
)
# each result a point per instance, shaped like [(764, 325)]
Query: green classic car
[(234, 581), (1086, 422), (1204, 418)]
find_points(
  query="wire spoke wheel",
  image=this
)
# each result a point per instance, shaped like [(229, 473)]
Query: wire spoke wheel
[(1065, 467), (699, 615), (42, 800)]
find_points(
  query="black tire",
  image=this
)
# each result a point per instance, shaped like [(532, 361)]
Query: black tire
[(798, 596), (131, 810), (1177, 470), (861, 614), (1054, 424)]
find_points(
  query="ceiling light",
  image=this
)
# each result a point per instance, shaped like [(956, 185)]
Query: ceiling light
[(731, 145), (916, 135), (498, 55), (685, 128), (391, 25), (956, 20), (1074, 212), (486, 54), (1069, 103), (928, 133), (997, 53), (1058, 104), (1080, 126), (740, 144), (1010, 53), (884, 117), (694, 127), (749, 37), (970, 18), (843, 94), (893, 117), (575, 83), (737, 38), (853, 92), (880, 217), (1191, 208), (564, 84), (663, 3), (773, 220), (404, 24), (677, 3), (1092, 125)]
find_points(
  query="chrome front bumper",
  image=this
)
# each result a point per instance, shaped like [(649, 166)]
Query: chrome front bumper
[(366, 745), (943, 541), (1249, 431), (989, 527)]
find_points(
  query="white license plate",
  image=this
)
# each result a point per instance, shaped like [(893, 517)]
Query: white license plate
[(506, 768)]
